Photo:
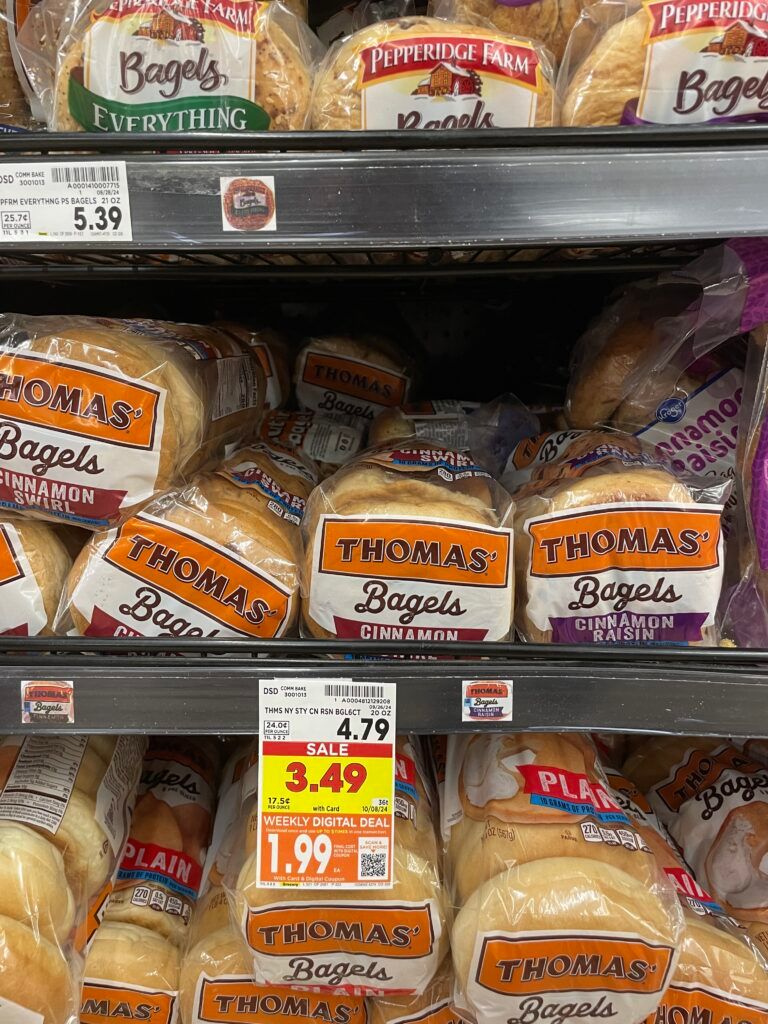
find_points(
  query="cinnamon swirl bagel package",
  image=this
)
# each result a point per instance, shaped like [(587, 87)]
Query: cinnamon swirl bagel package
[(218, 558), (409, 542), (99, 415), (354, 941), (668, 62), (611, 545), (185, 66), (562, 911), (34, 563), (423, 72)]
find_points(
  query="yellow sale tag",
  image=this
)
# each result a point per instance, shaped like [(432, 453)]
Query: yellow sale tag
[(326, 784)]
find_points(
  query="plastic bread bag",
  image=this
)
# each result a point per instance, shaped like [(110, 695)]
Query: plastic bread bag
[(408, 543), (327, 441), (218, 558), (563, 912), (433, 1006), (663, 63), (34, 564), (497, 427), (352, 940), (433, 73), (272, 351), (15, 114), (713, 800), (443, 421), (611, 545), (721, 974), (243, 67), (64, 808), (100, 415), (548, 21), (352, 378)]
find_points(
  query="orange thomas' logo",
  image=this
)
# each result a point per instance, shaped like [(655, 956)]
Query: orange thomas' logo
[(696, 1005), (10, 568), (415, 549), (699, 771), (393, 931), (201, 576), (488, 688), (103, 1001), (350, 377), (76, 400), (639, 538), (528, 965), (242, 1001)]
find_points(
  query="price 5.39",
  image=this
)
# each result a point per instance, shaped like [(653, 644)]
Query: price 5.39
[(103, 218)]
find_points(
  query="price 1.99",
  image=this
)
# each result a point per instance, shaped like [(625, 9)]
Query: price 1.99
[(305, 848), (99, 219)]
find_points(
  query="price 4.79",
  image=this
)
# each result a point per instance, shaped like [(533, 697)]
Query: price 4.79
[(101, 218)]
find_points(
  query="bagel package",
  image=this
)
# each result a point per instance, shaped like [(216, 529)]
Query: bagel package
[(218, 558), (358, 940), (65, 803), (420, 72), (325, 440), (433, 1006), (351, 378), (34, 564), (443, 421), (548, 21), (186, 66), (611, 546), (271, 349), (99, 415), (563, 913), (670, 62), (721, 974), (408, 543)]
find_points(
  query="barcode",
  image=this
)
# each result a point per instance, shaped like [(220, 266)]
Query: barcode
[(357, 690), (84, 175)]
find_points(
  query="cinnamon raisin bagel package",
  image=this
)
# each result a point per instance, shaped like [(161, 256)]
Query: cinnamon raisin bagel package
[(220, 557), (408, 542), (562, 911), (99, 415), (361, 941), (611, 545), (423, 72), (668, 62)]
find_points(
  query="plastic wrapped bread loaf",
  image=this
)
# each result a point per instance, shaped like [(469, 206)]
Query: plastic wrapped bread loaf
[(429, 73), (549, 21)]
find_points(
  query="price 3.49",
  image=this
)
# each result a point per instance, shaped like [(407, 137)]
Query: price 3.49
[(104, 217)]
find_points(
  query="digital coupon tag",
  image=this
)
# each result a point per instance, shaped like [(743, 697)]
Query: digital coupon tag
[(84, 201), (486, 700), (47, 700), (326, 784)]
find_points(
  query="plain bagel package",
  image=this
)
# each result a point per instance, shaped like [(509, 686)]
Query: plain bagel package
[(562, 912), (219, 558), (411, 542), (431, 73), (65, 804), (132, 66), (358, 941), (611, 545), (99, 415), (668, 62)]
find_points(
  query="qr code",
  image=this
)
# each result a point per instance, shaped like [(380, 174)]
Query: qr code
[(373, 865)]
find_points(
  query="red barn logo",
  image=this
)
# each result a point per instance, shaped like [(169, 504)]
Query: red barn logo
[(449, 80), (740, 40)]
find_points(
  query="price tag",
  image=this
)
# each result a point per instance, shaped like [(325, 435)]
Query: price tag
[(65, 202), (326, 784)]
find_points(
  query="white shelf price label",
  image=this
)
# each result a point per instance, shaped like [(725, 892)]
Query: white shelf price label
[(326, 784), (82, 201)]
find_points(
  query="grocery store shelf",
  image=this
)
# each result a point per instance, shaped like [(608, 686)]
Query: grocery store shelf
[(211, 686), (443, 190)]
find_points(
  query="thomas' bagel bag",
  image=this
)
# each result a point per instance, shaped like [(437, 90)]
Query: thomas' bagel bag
[(218, 558), (65, 803), (34, 564), (327, 441), (271, 349), (428, 73), (351, 378), (356, 941), (185, 66), (670, 62), (97, 415), (611, 545), (408, 543), (442, 421), (563, 912), (433, 1006)]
